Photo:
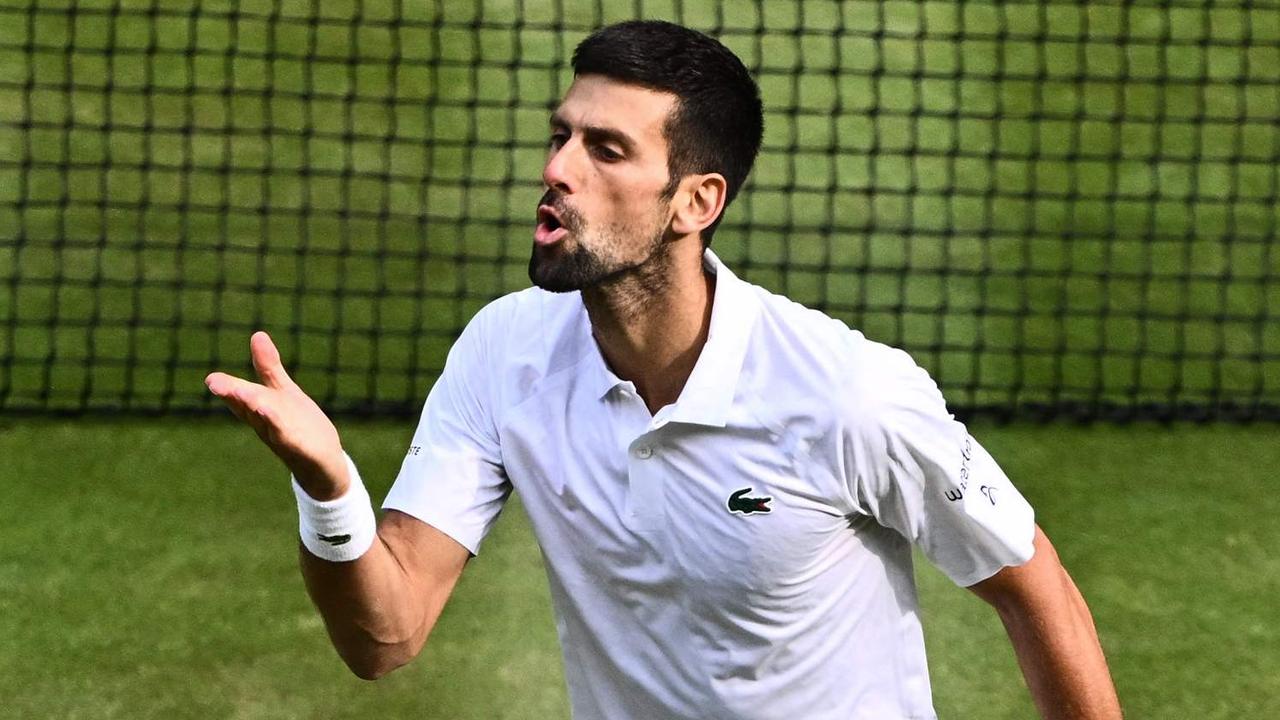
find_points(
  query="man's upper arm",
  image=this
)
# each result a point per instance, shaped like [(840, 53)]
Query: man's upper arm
[(431, 561), (453, 477), (1031, 584), (1052, 632), (917, 470)]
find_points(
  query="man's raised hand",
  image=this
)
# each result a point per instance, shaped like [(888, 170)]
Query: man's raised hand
[(287, 420)]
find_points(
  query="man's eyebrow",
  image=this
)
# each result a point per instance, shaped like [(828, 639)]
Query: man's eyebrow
[(597, 133)]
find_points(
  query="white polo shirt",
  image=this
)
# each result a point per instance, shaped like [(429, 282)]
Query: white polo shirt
[(743, 553)]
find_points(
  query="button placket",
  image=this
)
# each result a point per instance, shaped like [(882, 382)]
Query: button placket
[(645, 495), (645, 478)]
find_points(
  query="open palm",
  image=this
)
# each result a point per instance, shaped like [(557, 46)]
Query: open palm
[(286, 419)]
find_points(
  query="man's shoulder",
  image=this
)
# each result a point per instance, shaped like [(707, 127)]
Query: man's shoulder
[(524, 336), (531, 305), (815, 326), (787, 324), (523, 323), (827, 355)]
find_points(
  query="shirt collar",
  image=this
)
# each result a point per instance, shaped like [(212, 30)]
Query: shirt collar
[(597, 376), (708, 393)]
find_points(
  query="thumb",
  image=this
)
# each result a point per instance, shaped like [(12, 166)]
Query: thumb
[(266, 361)]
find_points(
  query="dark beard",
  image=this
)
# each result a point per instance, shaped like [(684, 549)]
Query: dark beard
[(577, 268), (560, 270), (573, 270), (581, 269)]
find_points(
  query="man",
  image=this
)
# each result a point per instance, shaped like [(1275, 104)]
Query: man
[(725, 485)]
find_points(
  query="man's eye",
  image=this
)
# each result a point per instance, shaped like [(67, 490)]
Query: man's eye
[(557, 140), (607, 154)]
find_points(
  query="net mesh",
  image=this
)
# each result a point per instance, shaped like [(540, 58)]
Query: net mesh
[(1057, 208)]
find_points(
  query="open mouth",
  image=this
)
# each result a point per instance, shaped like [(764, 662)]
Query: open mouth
[(550, 229)]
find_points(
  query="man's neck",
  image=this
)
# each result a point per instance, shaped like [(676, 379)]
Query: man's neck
[(651, 324)]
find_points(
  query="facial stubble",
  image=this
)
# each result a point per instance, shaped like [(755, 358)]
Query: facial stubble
[(557, 269)]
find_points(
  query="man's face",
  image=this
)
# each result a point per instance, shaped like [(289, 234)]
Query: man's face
[(603, 213)]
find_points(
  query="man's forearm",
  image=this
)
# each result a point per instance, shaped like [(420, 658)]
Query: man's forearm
[(1063, 662), (380, 608), (1052, 633), (367, 608)]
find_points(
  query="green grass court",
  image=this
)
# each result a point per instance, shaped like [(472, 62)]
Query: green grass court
[(150, 572)]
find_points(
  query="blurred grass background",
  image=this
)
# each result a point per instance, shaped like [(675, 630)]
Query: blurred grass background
[(1054, 203), (149, 571)]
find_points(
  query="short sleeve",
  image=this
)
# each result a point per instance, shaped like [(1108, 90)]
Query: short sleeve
[(917, 470), (452, 477)]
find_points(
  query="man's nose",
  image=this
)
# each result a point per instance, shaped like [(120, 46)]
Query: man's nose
[(558, 171)]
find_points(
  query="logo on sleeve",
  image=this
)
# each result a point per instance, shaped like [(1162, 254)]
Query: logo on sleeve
[(741, 502), (957, 493), (990, 492)]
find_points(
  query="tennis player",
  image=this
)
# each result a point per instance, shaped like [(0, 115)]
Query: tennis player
[(726, 486)]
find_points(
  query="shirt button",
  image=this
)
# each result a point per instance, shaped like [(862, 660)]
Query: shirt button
[(644, 452)]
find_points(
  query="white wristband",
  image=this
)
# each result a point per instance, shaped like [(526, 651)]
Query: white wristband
[(338, 530)]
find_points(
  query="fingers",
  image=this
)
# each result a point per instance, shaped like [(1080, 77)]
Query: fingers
[(224, 385), (285, 419), (266, 360), (250, 402), (239, 395)]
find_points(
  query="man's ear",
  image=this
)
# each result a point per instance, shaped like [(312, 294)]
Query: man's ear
[(697, 203)]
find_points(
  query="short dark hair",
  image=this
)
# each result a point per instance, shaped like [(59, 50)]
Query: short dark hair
[(718, 120)]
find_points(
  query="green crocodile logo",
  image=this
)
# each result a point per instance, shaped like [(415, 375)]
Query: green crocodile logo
[(335, 540), (739, 502)]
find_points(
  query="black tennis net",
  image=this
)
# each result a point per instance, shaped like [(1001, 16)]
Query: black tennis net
[(1059, 208)]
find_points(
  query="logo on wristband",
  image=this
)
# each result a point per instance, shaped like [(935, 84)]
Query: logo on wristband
[(335, 539)]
